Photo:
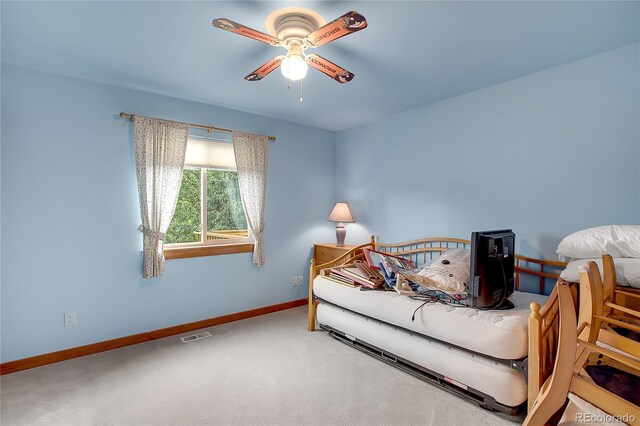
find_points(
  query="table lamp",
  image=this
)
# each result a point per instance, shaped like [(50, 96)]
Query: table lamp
[(341, 214)]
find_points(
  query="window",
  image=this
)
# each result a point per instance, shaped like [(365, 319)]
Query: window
[(209, 200)]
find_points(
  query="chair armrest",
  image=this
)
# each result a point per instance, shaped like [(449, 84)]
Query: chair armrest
[(622, 359), (624, 309), (619, 323), (628, 294)]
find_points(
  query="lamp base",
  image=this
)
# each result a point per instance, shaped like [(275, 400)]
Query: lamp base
[(341, 233)]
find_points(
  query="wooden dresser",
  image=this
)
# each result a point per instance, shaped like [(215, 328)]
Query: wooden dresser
[(323, 253)]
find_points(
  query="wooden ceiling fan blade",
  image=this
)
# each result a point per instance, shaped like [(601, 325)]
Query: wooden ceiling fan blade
[(234, 27), (265, 69), (327, 67), (348, 23)]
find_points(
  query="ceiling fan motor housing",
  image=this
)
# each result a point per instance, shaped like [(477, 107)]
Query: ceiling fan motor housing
[(293, 23), (294, 27)]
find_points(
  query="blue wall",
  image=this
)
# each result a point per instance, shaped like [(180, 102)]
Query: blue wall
[(70, 213), (546, 155)]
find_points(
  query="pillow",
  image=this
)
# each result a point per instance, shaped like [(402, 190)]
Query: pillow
[(449, 272), (627, 270), (616, 240)]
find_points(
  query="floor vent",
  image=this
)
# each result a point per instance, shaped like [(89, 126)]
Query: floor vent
[(194, 337)]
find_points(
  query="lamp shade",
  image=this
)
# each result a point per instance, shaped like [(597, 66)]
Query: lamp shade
[(341, 213)]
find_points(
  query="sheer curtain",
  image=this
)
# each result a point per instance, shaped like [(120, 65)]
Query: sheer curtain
[(251, 153), (160, 146)]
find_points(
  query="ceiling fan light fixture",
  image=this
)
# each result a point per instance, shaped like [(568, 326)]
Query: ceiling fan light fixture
[(294, 67), (298, 29)]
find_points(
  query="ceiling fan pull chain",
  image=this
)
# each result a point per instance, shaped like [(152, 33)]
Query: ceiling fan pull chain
[(288, 84), (300, 90)]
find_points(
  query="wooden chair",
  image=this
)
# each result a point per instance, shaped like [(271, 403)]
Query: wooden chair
[(543, 339), (568, 373), (598, 315), (553, 392), (622, 296)]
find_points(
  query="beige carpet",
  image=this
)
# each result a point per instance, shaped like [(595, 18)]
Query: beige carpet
[(263, 371)]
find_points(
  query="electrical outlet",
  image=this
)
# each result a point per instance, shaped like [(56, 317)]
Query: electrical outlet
[(69, 319), (295, 281), (300, 280)]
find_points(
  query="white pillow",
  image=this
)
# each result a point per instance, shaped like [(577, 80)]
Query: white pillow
[(449, 272), (627, 270), (616, 240)]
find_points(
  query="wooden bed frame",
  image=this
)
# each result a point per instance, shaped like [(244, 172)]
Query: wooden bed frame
[(417, 251), (543, 321)]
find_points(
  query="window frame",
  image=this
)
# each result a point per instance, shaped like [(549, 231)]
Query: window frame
[(206, 247)]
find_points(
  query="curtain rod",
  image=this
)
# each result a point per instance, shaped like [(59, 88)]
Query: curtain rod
[(208, 128)]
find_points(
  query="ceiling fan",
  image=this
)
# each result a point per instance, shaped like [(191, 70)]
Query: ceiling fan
[(298, 29)]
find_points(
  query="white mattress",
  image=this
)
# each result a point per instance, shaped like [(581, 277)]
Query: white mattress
[(506, 385), (499, 334), (627, 270)]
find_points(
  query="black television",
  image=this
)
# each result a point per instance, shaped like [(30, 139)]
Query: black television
[(491, 278)]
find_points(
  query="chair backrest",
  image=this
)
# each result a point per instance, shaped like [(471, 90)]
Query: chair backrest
[(591, 300), (609, 283), (554, 391)]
